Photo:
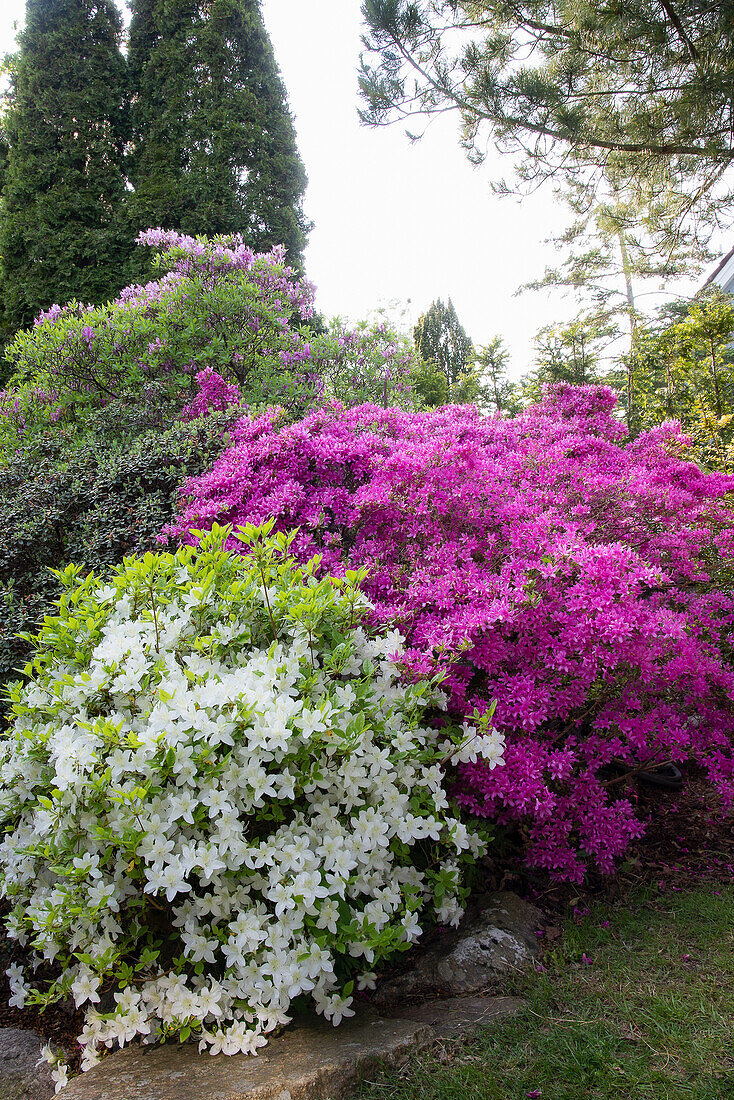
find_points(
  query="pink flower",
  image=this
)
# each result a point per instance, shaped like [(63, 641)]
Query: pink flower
[(545, 562)]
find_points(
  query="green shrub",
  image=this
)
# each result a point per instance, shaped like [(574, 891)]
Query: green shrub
[(91, 498), (215, 307)]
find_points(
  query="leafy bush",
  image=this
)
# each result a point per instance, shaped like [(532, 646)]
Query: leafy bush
[(219, 798), (91, 498), (90, 456), (366, 363), (582, 581), (684, 369), (217, 306)]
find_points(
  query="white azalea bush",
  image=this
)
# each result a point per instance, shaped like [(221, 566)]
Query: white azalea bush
[(219, 797)]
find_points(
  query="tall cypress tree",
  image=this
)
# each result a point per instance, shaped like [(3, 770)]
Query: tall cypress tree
[(214, 147), (61, 234)]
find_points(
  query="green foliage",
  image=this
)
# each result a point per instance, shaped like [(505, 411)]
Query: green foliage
[(149, 342), (498, 394), (91, 496), (642, 86), (440, 339), (430, 385), (61, 236), (367, 362), (214, 147), (685, 371), (217, 795), (564, 353)]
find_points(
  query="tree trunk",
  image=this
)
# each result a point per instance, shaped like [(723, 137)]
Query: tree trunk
[(715, 375), (632, 315)]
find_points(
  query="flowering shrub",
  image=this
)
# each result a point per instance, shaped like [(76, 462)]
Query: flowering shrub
[(219, 797), (27, 409), (213, 395), (91, 454), (583, 581), (217, 307), (221, 326), (366, 363)]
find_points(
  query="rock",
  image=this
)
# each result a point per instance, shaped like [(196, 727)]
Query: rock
[(20, 1076), (497, 940), (460, 1017), (307, 1062)]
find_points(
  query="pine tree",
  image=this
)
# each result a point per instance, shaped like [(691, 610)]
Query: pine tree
[(611, 259), (440, 339), (648, 86), (214, 148), (61, 235), (499, 393)]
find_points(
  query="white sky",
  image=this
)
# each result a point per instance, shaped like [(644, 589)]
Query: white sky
[(396, 221)]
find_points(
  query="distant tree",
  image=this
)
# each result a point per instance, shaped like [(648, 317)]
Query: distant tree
[(684, 370), (609, 254), (430, 384), (6, 72), (499, 394), (61, 235), (214, 147), (611, 261), (440, 339), (564, 353)]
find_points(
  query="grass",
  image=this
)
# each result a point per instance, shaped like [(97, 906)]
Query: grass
[(650, 1016)]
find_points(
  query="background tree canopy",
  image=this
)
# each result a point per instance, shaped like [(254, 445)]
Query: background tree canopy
[(645, 86), (189, 129), (440, 339), (214, 147)]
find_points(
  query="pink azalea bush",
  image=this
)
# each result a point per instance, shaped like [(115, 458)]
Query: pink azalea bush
[(580, 579)]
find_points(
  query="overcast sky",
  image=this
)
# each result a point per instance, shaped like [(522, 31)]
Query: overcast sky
[(393, 220)]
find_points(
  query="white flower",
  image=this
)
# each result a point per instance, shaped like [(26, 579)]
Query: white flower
[(336, 1009), (60, 1077), (411, 927), (85, 986), (15, 974), (90, 1058), (224, 805)]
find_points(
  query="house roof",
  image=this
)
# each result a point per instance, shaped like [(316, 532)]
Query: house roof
[(719, 270)]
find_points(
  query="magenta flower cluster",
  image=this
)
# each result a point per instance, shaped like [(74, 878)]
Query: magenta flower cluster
[(577, 578), (213, 394)]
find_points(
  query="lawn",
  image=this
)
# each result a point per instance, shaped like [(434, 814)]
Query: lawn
[(636, 1001)]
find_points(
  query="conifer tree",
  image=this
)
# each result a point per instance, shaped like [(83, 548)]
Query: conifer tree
[(61, 235), (648, 86), (214, 146), (440, 339)]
